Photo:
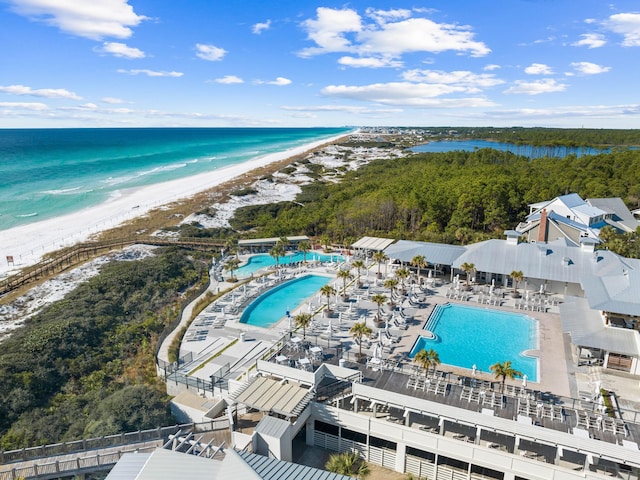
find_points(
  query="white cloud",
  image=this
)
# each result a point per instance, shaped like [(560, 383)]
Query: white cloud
[(536, 87), (40, 92), (369, 62), (329, 28), (210, 52), (150, 73), (280, 82), (406, 94), (229, 79), (118, 49), (341, 108), (467, 81), (588, 68), (36, 106), (391, 34), (94, 19), (580, 111), (384, 16), (491, 67), (112, 100), (627, 25), (590, 40), (258, 28), (538, 69)]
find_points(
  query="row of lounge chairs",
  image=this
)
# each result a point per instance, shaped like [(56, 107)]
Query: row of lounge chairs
[(605, 423), (481, 397), (427, 384)]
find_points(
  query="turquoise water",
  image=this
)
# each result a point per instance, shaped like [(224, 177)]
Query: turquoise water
[(465, 336), (273, 305), (257, 262), (46, 173), (525, 150)]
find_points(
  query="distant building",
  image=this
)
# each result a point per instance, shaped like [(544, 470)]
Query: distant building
[(572, 219)]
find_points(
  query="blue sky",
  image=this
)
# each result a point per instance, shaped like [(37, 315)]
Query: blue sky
[(119, 63)]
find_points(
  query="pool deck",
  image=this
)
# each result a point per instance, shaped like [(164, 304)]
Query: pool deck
[(217, 327)]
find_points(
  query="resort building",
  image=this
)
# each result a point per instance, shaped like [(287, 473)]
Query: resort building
[(456, 422), (572, 219)]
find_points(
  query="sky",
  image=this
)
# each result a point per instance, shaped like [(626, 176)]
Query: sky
[(285, 63)]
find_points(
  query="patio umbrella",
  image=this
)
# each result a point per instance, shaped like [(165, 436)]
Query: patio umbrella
[(524, 381), (541, 289), (473, 369)]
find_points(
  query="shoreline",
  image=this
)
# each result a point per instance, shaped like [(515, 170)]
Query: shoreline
[(29, 243)]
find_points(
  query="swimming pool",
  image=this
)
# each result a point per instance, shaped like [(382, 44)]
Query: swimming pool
[(273, 305), (464, 336), (257, 262)]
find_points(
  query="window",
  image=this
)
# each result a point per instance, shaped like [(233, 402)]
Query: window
[(326, 428)]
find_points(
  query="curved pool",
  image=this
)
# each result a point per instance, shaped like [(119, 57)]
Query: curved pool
[(256, 262), (465, 336), (273, 305)]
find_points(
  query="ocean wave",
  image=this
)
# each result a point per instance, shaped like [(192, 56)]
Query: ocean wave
[(25, 215), (195, 160), (62, 191), (127, 178)]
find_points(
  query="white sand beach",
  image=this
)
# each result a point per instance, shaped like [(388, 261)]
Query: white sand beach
[(28, 243)]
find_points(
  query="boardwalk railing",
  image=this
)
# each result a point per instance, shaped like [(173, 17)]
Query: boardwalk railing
[(65, 448), (83, 251)]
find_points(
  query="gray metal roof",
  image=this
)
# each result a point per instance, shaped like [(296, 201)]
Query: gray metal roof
[(272, 426), (587, 329), (434, 253), (623, 218), (274, 469), (614, 293), (373, 243)]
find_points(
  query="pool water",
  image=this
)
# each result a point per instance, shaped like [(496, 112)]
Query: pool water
[(464, 336), (257, 262), (273, 305)]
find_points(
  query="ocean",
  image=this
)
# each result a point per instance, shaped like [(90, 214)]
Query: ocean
[(45, 173)]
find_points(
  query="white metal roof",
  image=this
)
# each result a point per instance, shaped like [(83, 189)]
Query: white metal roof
[(434, 253), (373, 243), (614, 293), (588, 330)]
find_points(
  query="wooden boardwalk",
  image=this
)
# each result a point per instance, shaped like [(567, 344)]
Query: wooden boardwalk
[(84, 251)]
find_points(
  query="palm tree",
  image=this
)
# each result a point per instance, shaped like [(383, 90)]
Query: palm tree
[(402, 274), (303, 320), (427, 359), (276, 252), (358, 331), (468, 268), (419, 262), (326, 241), (348, 463), (380, 257), (345, 275), (391, 284), (304, 247), (231, 266), (231, 247), (504, 370), (358, 265), (517, 277), (379, 300), (327, 291)]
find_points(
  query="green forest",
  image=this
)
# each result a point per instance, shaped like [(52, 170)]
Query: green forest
[(85, 366), (453, 197)]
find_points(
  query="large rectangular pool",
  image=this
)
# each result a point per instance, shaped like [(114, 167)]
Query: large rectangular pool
[(465, 336)]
